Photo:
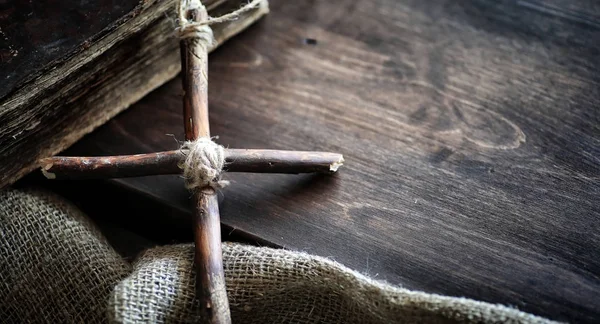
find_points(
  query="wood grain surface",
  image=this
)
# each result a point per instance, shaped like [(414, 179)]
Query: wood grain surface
[(470, 132)]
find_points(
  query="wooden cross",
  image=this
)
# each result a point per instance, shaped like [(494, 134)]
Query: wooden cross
[(210, 281)]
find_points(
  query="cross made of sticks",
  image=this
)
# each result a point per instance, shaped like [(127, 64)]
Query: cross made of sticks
[(195, 33)]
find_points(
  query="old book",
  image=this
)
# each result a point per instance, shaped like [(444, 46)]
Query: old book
[(67, 68)]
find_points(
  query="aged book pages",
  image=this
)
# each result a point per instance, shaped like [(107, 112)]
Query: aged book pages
[(76, 93)]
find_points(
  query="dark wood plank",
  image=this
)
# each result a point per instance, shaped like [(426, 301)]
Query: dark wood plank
[(470, 130), (35, 35)]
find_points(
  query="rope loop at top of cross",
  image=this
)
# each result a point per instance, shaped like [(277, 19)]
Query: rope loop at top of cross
[(201, 29)]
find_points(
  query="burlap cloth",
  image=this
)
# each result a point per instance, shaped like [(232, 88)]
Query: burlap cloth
[(57, 267)]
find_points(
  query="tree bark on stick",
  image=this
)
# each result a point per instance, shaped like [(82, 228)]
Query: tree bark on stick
[(210, 279), (139, 165)]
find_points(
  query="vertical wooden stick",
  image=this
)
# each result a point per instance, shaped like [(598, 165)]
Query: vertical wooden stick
[(210, 279)]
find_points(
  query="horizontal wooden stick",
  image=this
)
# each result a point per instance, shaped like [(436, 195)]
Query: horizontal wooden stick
[(139, 165)]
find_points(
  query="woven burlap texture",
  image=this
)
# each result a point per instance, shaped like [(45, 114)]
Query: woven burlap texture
[(267, 285), (57, 267)]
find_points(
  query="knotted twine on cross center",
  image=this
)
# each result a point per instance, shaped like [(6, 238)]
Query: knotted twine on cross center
[(203, 165)]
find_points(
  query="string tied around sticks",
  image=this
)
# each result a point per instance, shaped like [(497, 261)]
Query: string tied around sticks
[(203, 164), (200, 30)]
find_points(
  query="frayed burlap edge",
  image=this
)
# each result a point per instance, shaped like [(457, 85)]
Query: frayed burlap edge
[(268, 285)]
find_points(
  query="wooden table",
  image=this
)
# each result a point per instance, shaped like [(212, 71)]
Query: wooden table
[(471, 132)]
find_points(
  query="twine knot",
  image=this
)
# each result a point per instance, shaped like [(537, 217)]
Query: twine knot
[(203, 164), (200, 30), (203, 34), (190, 29)]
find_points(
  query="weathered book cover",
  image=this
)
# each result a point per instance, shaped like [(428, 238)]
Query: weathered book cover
[(69, 66)]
